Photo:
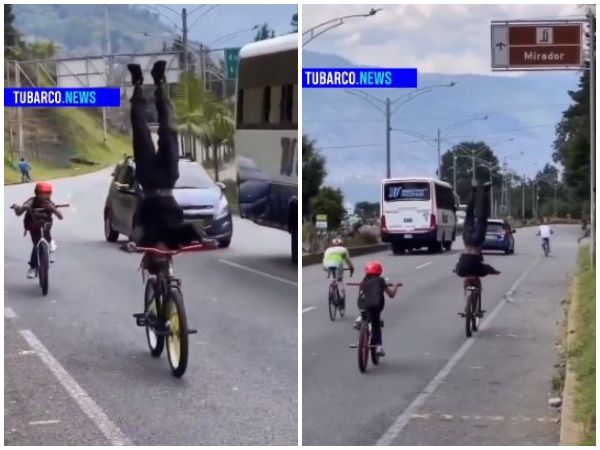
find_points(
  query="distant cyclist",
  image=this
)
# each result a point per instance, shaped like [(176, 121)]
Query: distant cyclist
[(544, 231), (334, 259), (371, 299), (32, 223)]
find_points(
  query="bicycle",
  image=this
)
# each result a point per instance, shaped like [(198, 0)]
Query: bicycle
[(336, 301), (473, 312), (364, 344), (43, 247), (164, 315)]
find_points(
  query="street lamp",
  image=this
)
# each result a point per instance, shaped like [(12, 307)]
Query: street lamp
[(473, 153), (385, 106), (312, 33)]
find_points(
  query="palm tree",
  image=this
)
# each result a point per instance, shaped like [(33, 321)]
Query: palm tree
[(201, 116)]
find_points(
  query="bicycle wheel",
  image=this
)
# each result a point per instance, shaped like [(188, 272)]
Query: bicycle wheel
[(476, 309), (333, 299), (156, 343), (342, 306), (469, 320), (43, 266), (177, 338), (363, 348), (374, 356)]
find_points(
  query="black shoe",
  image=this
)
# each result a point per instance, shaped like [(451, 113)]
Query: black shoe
[(158, 72), (135, 70)]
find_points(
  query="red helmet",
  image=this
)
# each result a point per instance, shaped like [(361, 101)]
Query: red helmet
[(373, 268), (43, 187)]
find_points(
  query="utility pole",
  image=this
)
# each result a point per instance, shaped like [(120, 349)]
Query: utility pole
[(185, 40), (473, 179), (109, 77), (523, 204), (454, 169), (388, 114), (438, 155)]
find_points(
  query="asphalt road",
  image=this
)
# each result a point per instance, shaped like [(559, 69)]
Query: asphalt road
[(435, 386), (77, 369)]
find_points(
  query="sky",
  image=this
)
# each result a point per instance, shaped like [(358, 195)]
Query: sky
[(211, 22), (433, 38)]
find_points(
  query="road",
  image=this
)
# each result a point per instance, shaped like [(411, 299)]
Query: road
[(77, 369), (435, 387)]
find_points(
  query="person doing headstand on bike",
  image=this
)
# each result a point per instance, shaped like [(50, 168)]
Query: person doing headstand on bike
[(371, 299), (33, 221), (470, 263), (160, 217)]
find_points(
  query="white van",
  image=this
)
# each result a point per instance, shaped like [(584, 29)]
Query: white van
[(418, 212)]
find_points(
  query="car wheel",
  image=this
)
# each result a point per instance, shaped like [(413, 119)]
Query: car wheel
[(109, 233), (225, 243)]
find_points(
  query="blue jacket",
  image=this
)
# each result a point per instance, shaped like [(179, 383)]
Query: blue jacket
[(24, 166)]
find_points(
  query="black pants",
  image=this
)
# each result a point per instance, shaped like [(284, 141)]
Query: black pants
[(160, 216), (36, 235), (375, 317), (478, 213)]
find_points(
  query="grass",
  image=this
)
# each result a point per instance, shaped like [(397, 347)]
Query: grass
[(61, 136), (583, 354)]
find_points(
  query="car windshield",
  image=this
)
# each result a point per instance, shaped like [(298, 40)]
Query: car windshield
[(406, 191), (192, 175), (495, 228)]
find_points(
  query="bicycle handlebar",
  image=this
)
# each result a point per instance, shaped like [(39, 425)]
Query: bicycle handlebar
[(189, 248), (387, 284)]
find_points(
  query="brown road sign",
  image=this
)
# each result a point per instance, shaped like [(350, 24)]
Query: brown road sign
[(537, 45)]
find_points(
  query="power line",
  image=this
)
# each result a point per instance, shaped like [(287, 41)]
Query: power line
[(202, 15)]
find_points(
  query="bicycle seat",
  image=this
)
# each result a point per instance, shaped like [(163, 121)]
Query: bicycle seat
[(472, 283)]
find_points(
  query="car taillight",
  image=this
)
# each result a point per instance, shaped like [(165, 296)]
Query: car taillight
[(433, 222), (383, 225)]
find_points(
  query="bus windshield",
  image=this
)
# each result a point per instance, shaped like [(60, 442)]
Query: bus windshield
[(406, 191)]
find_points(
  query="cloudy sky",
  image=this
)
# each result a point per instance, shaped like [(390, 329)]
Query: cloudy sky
[(433, 38)]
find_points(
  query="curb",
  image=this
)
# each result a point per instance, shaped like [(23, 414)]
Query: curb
[(316, 258), (571, 431)]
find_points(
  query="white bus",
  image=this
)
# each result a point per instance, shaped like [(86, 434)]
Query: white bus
[(266, 138), (418, 212)]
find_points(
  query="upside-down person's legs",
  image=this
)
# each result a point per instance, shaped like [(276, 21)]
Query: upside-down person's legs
[(482, 214), (167, 155), (469, 225), (143, 147)]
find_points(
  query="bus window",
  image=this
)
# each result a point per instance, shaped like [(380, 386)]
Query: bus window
[(252, 107), (406, 191)]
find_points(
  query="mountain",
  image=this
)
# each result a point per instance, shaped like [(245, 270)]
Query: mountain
[(525, 107)]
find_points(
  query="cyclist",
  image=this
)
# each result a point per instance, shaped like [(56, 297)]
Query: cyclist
[(160, 217), (372, 300), (334, 259), (544, 231), (31, 223), (470, 263)]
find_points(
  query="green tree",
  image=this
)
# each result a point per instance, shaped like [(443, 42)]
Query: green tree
[(313, 173), (11, 35), (330, 201), (366, 210), (464, 164), (294, 23), (264, 32)]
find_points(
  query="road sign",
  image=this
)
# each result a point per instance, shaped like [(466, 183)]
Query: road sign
[(322, 221), (544, 45), (232, 57)]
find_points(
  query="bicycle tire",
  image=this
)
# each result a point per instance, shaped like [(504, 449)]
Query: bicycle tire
[(469, 314), (43, 266), (178, 333), (150, 296), (332, 302), (342, 307), (363, 348), (476, 308)]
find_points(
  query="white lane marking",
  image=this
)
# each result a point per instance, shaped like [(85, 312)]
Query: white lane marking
[(309, 308), (258, 272), (430, 416), (44, 422), (402, 420), (85, 402), (9, 313), (428, 263)]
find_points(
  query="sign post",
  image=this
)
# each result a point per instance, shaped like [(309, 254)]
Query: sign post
[(321, 221)]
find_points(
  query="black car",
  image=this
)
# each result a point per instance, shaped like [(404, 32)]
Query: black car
[(499, 236), (200, 197)]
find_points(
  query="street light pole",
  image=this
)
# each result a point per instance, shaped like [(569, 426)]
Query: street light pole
[(314, 32), (592, 45), (438, 155), (185, 39), (388, 114), (523, 203)]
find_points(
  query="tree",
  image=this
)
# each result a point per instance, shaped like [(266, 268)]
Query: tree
[(330, 201), (177, 46), (264, 32), (313, 173), (464, 166), (294, 23), (366, 210), (572, 144)]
